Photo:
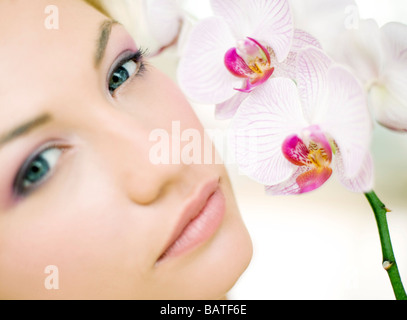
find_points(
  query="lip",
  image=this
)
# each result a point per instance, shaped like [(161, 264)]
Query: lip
[(200, 218)]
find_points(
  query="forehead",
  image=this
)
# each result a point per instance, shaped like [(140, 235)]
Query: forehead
[(38, 26), (35, 57)]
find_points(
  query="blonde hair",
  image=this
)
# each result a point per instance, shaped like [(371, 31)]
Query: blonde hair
[(98, 5), (128, 12)]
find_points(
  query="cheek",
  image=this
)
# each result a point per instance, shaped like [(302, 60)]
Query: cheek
[(156, 100), (97, 242)]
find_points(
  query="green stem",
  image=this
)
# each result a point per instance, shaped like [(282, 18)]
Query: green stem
[(389, 260)]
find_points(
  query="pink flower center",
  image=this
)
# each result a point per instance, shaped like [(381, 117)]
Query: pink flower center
[(249, 60), (313, 153)]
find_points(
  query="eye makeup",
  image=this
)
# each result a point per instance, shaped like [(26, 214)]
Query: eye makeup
[(129, 65), (37, 168), (42, 164)]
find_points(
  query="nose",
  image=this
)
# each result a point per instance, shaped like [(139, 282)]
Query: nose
[(131, 148)]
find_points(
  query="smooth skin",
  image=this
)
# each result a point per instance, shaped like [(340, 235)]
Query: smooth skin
[(91, 202)]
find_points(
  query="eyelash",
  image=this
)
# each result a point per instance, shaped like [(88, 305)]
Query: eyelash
[(136, 57), (20, 186)]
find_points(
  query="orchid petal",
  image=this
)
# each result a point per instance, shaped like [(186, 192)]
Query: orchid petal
[(234, 13), (236, 65), (295, 150), (390, 103), (395, 42), (202, 68), (268, 21), (363, 181), (226, 110), (270, 114), (164, 20), (288, 68), (347, 119), (315, 134), (252, 84), (313, 179), (303, 39), (361, 50), (325, 19), (389, 95), (289, 186), (313, 65), (263, 48)]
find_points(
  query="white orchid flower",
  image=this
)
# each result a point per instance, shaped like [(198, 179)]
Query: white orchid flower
[(291, 136)]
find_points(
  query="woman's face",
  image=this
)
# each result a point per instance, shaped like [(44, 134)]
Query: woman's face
[(79, 190)]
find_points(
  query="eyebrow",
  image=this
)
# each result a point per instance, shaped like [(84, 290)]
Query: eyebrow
[(105, 30), (25, 128)]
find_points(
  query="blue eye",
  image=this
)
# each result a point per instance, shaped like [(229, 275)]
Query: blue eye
[(126, 69), (36, 170)]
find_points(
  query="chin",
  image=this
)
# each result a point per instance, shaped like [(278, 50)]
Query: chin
[(231, 250), (210, 271)]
